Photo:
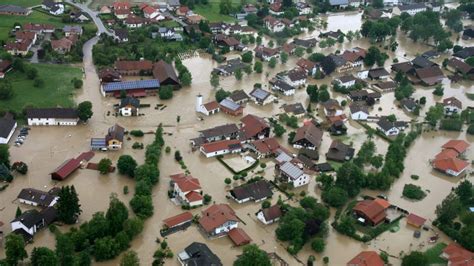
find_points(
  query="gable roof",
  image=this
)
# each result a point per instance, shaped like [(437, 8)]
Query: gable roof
[(163, 71), (178, 219), (366, 258), (239, 95), (221, 130), (260, 94), (41, 198), (127, 65), (452, 101), (422, 62), (256, 191), (372, 209), (7, 124), (253, 125), (311, 133), (65, 113), (215, 216), (239, 237), (295, 108), (458, 256), (198, 254), (459, 65), (291, 170), (453, 164), (115, 132), (272, 213), (266, 145), (415, 220), (130, 101), (456, 144), (221, 145), (186, 183)]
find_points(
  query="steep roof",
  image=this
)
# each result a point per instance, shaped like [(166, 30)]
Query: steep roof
[(457, 144), (374, 210), (200, 254), (430, 75), (253, 125), (6, 126), (366, 258), (311, 133), (272, 213), (266, 145), (186, 182), (255, 190), (42, 198), (453, 164), (115, 132), (215, 216), (458, 256), (130, 101), (452, 101), (163, 71)]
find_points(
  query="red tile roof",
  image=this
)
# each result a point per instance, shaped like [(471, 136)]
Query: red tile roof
[(186, 182), (121, 5), (239, 237), (458, 256), (22, 35), (38, 27), (211, 105), (149, 10), (219, 145), (446, 154), (63, 43), (415, 220), (453, 164), (267, 145), (126, 65), (372, 210), (215, 216), (306, 64), (178, 219), (193, 196), (253, 125), (366, 258), (458, 145), (65, 169), (354, 55), (452, 101)]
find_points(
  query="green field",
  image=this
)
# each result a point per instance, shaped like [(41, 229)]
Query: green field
[(24, 3), (7, 22), (56, 91), (433, 254), (211, 13)]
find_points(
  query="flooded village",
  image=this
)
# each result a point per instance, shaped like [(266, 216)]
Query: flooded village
[(250, 136)]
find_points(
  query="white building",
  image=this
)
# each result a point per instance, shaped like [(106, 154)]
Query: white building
[(359, 112), (218, 220), (283, 87), (346, 81), (187, 189), (35, 197), (412, 9), (7, 128), (207, 109), (52, 117), (221, 148), (292, 174), (452, 106), (269, 215)]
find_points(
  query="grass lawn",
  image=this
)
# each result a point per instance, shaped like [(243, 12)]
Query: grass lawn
[(56, 91), (211, 13), (433, 254), (24, 3), (6, 21)]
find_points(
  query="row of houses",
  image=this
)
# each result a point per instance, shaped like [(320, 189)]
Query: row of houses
[(448, 161)]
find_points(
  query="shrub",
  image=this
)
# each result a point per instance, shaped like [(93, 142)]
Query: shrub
[(318, 245), (412, 191), (165, 93), (137, 133), (168, 149), (414, 177)]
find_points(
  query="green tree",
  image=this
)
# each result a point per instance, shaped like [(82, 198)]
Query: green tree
[(126, 165), (104, 165), (439, 90), (214, 80), (221, 94), (227, 181), (14, 249), (185, 78), (43, 256), (84, 110), (283, 57), (335, 196), (77, 83), (350, 178), (165, 93), (434, 114), (464, 191), (448, 210), (133, 226), (323, 95), (18, 212), (142, 205), (415, 258), (412, 191), (253, 256), (328, 65), (130, 258), (116, 215), (377, 3), (258, 67), (318, 245), (238, 74), (278, 129), (5, 155), (272, 62), (105, 248), (38, 83), (6, 90), (247, 57), (31, 72), (68, 205)]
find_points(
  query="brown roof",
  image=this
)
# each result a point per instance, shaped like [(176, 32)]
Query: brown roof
[(372, 210), (386, 85), (415, 220), (178, 219), (452, 101), (5, 65), (219, 145), (211, 105), (115, 132), (366, 258), (272, 213), (23, 45), (217, 215), (430, 75), (453, 164), (276, 7), (311, 133), (134, 20), (267, 145), (239, 237), (163, 71), (306, 64), (38, 27), (22, 35), (459, 65), (186, 182), (354, 55), (126, 65), (252, 125), (63, 43), (458, 256), (456, 144), (403, 67)]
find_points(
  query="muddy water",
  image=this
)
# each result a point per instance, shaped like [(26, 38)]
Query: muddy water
[(46, 148)]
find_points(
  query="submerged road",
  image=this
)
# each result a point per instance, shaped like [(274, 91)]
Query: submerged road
[(94, 15)]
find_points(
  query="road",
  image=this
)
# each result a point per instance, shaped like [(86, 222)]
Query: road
[(180, 21), (93, 14)]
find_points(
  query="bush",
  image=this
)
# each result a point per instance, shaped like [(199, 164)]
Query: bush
[(168, 149), (412, 191), (137, 146), (318, 245), (165, 93), (415, 177), (451, 124), (177, 156), (137, 133)]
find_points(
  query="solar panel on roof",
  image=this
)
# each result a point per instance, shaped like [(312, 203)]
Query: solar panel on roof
[(291, 170), (230, 104), (131, 85), (260, 94)]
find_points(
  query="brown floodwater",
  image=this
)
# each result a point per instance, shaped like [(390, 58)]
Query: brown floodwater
[(46, 148)]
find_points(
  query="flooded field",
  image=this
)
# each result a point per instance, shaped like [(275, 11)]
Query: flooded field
[(46, 148)]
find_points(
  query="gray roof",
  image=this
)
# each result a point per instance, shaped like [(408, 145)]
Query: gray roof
[(198, 254), (260, 94), (338, 2), (68, 113), (358, 108), (72, 28), (13, 9), (296, 108), (283, 86), (422, 62), (256, 191), (29, 218), (41, 198), (222, 130), (338, 60), (130, 101), (412, 6), (131, 85), (283, 157), (238, 95), (6, 126), (291, 170), (229, 104)]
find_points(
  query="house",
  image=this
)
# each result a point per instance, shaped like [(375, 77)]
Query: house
[(451, 166), (169, 34), (331, 34), (254, 127), (134, 88), (5, 66), (295, 109), (305, 43), (266, 53), (38, 198), (114, 137), (371, 212), (354, 56), (79, 17), (269, 215), (209, 108), (429, 76), (431, 54), (218, 220), (230, 67), (223, 132), (332, 108), (261, 96), (342, 65), (385, 86), (133, 68), (19, 47), (13, 10), (378, 73), (31, 221), (222, 147), (390, 128), (422, 62), (408, 104), (339, 152), (54, 8), (359, 111), (289, 48), (105, 10), (193, 19), (39, 28), (308, 136), (296, 77), (198, 254), (121, 9), (239, 97), (69, 166), (129, 106), (121, 35), (346, 81), (7, 128), (249, 9), (337, 127), (282, 86), (165, 74), (276, 9), (52, 116), (273, 24), (150, 12), (292, 174), (229, 107), (239, 237), (309, 66), (468, 33), (460, 146), (186, 189), (457, 66), (107, 75), (415, 220), (180, 220), (366, 258), (264, 147), (63, 45), (72, 30), (411, 9), (452, 106), (403, 67), (134, 22), (183, 11), (254, 191), (465, 52), (457, 255), (303, 8), (339, 3)]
